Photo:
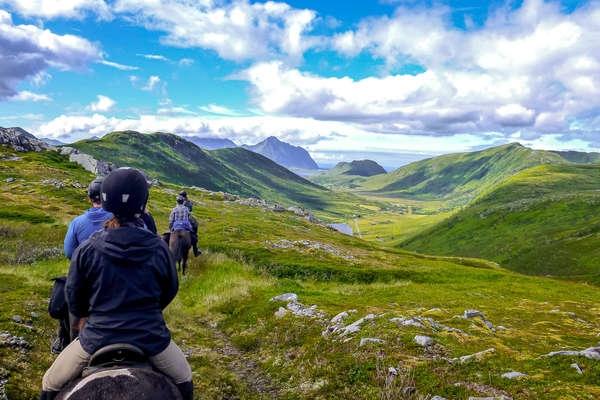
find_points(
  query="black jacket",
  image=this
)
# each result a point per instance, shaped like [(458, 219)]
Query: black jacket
[(122, 278), (149, 221)]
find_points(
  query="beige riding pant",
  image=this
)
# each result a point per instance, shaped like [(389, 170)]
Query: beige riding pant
[(73, 359)]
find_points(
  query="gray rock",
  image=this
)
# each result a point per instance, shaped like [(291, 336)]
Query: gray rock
[(367, 340), (280, 313), (438, 398), (469, 357), (423, 340), (409, 390), (355, 326), (393, 371), (35, 315), (89, 163), (339, 318), (6, 157), (473, 313), (287, 297), (579, 371), (9, 180), (513, 375), (562, 353), (296, 210), (593, 353), (17, 319)]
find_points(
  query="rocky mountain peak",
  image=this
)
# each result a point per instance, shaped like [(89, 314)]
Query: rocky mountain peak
[(21, 140)]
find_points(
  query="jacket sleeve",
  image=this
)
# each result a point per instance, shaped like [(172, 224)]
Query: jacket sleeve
[(71, 242), (77, 291), (170, 283)]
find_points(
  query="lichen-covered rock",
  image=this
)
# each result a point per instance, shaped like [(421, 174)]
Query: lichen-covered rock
[(368, 340), (469, 357)]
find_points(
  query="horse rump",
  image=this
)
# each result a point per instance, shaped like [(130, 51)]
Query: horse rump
[(121, 384)]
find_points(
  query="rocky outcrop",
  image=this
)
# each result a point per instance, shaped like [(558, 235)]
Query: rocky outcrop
[(22, 141), (343, 228), (88, 162)]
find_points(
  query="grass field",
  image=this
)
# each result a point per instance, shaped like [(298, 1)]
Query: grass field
[(239, 349)]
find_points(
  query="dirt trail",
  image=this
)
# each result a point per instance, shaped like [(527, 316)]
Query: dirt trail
[(247, 369)]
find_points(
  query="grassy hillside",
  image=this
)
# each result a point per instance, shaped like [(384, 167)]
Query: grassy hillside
[(579, 157), (171, 158), (239, 349), (542, 221), (457, 178), (348, 174)]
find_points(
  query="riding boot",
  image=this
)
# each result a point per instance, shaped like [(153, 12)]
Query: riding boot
[(48, 395), (196, 251), (186, 389)]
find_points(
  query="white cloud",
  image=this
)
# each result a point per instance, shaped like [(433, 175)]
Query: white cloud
[(174, 111), (29, 96), (186, 62), (533, 69), (103, 104), (152, 82), (59, 8), (238, 30), (27, 51), (118, 66), (154, 57), (216, 109)]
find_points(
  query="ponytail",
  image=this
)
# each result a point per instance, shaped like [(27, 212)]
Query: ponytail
[(114, 222)]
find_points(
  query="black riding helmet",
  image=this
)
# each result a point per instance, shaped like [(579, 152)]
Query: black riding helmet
[(183, 193), (94, 189), (125, 192), (179, 200)]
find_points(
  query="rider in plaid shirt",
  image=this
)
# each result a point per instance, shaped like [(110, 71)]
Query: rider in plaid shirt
[(181, 219)]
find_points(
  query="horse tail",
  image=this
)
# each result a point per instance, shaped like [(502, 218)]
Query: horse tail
[(179, 247)]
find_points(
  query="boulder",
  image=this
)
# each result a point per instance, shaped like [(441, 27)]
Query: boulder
[(280, 313), (340, 317), (423, 340), (469, 357), (287, 297), (9, 180), (367, 340), (89, 163), (473, 313), (513, 375), (579, 371)]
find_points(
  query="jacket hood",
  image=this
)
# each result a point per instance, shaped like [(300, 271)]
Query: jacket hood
[(98, 215), (128, 245)]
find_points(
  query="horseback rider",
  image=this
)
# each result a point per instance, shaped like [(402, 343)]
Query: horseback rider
[(79, 230), (181, 218), (186, 202), (120, 280), (91, 221)]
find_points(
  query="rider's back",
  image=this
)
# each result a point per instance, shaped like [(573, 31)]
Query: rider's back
[(122, 278), (83, 226)]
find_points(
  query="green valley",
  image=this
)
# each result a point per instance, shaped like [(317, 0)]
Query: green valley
[(171, 158), (239, 348)]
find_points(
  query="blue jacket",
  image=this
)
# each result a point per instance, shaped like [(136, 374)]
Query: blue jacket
[(83, 226), (122, 279)]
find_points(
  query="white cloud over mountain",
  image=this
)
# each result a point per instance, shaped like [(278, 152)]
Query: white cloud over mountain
[(27, 51)]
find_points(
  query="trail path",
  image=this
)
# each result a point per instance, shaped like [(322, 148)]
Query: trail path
[(243, 366)]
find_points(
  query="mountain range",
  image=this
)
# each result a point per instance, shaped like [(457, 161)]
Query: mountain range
[(284, 153), (208, 143), (173, 159)]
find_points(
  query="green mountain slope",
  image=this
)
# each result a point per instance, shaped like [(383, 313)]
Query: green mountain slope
[(224, 321), (543, 221), (457, 178), (173, 159), (348, 174), (579, 157)]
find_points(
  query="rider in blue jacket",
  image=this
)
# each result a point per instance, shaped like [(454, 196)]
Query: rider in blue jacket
[(83, 226)]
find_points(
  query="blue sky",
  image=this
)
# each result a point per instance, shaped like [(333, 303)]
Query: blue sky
[(340, 78)]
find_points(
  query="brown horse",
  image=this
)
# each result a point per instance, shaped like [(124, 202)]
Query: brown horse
[(180, 243)]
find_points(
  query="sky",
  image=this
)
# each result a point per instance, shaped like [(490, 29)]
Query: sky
[(391, 80)]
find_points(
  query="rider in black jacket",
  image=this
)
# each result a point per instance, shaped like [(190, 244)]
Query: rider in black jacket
[(121, 279)]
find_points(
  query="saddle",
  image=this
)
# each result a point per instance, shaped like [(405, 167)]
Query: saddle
[(119, 355)]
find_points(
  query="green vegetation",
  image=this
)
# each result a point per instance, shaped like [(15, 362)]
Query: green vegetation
[(543, 221), (456, 179), (171, 158), (224, 321), (348, 174), (579, 157)]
